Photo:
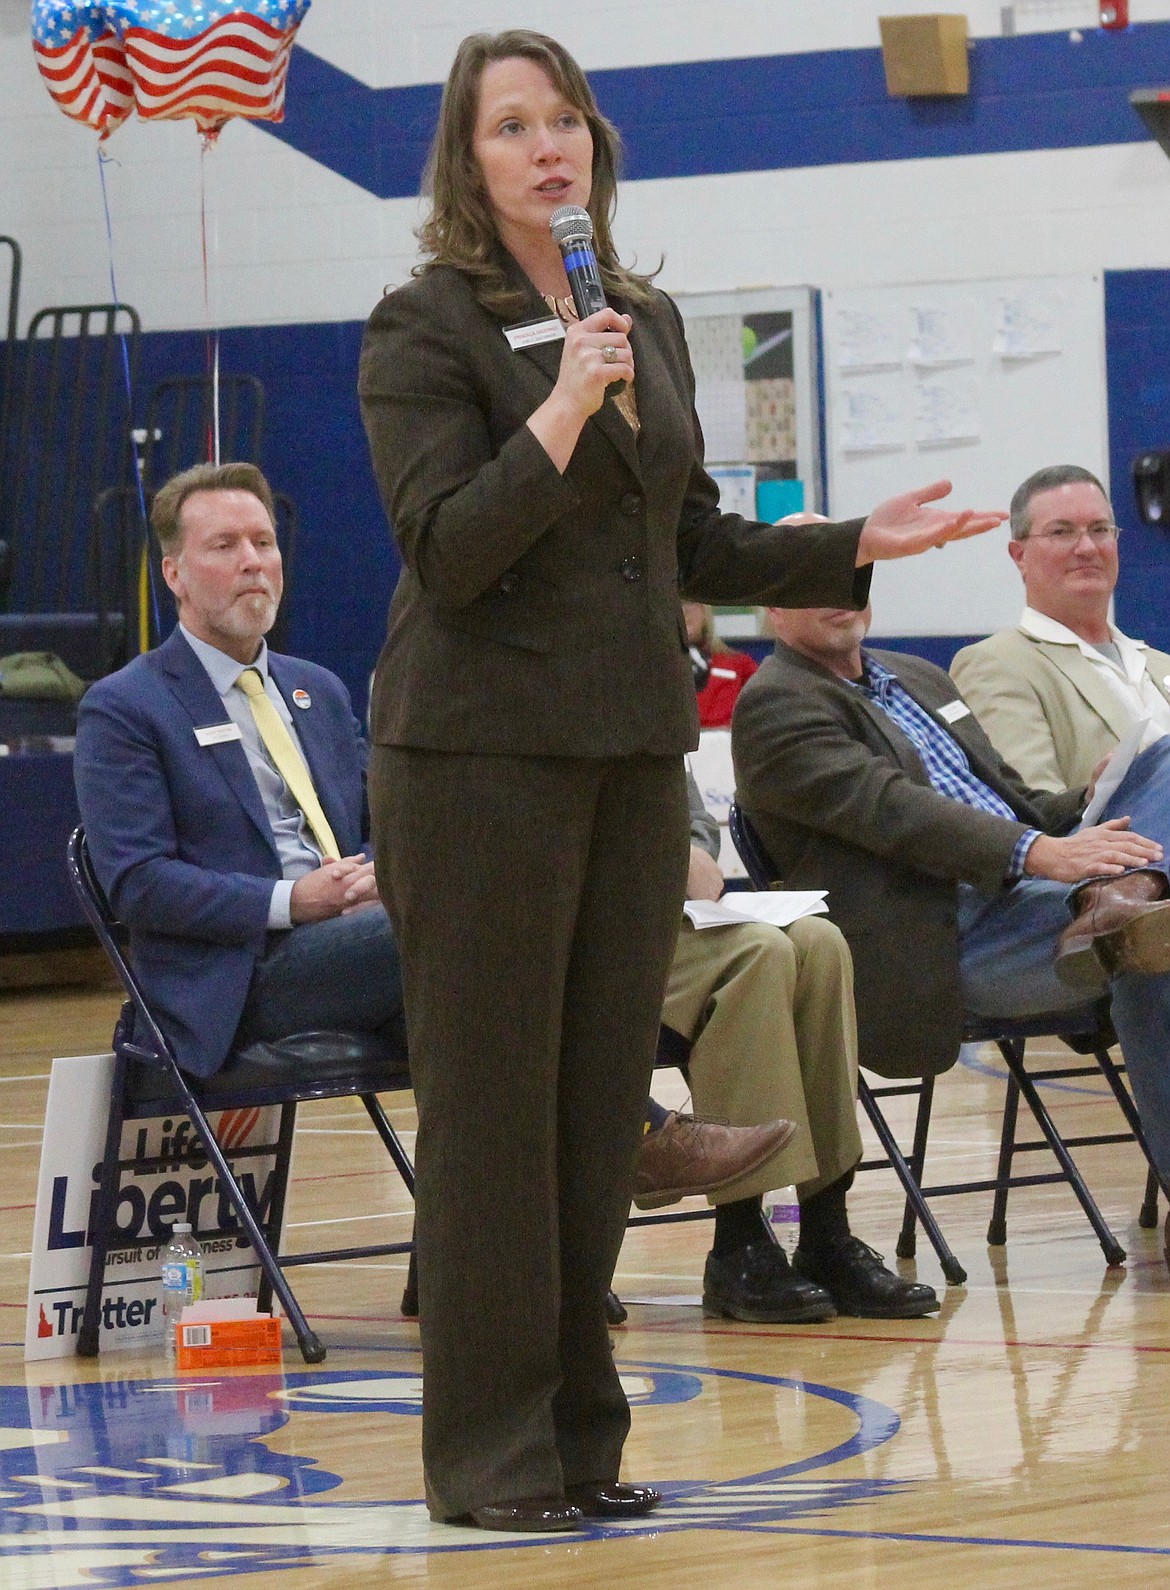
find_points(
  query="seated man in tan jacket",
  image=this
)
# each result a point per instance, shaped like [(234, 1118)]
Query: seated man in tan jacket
[(1057, 693)]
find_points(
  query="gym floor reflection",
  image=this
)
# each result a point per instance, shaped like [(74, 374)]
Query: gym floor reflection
[(1018, 1436)]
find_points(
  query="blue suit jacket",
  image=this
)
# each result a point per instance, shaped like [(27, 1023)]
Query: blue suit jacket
[(179, 835)]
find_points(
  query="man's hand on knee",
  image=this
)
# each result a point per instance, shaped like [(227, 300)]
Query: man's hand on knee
[(1091, 852), (334, 887)]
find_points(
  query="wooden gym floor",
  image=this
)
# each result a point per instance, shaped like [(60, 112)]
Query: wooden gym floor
[(1020, 1438)]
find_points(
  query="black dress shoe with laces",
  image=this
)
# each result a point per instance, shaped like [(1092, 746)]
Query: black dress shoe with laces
[(860, 1285), (613, 1500), (756, 1283)]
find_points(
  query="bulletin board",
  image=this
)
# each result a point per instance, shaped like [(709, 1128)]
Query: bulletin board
[(756, 361), (979, 382)]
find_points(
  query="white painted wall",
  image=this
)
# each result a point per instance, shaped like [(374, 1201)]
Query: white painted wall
[(294, 242)]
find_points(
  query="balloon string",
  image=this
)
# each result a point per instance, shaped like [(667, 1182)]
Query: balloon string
[(212, 330), (144, 522)]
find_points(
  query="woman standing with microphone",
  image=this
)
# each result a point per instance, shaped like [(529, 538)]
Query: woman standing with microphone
[(532, 705)]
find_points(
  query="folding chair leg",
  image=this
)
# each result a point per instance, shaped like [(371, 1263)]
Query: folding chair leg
[(1110, 1247), (1148, 1218), (276, 1208), (951, 1267), (1148, 1215), (410, 1290), (312, 1350), (997, 1228), (105, 1208), (390, 1139), (908, 1236)]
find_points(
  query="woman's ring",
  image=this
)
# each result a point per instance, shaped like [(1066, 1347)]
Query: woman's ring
[(609, 354)]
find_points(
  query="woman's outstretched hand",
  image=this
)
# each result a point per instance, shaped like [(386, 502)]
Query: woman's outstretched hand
[(907, 524)]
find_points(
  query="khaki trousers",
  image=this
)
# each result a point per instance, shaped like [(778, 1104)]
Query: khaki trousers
[(770, 1014)]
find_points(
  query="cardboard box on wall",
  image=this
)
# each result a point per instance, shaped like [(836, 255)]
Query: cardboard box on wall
[(925, 55)]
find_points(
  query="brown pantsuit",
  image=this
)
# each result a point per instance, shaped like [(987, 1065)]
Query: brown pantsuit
[(529, 715), (539, 928)]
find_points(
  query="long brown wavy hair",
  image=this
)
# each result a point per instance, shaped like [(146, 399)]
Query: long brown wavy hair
[(461, 230)]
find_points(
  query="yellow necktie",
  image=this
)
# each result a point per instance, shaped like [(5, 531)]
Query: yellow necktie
[(288, 761)]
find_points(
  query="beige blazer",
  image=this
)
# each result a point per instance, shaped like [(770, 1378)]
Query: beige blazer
[(1044, 706)]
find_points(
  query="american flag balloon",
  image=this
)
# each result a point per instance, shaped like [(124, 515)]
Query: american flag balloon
[(83, 63), (205, 59), (208, 59)]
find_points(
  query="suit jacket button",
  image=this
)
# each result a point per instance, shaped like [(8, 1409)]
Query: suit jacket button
[(630, 569), (631, 505), (508, 583)]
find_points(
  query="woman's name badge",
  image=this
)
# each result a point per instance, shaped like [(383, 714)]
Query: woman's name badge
[(536, 331)]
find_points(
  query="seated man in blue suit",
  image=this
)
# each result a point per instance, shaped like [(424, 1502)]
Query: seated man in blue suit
[(251, 902)]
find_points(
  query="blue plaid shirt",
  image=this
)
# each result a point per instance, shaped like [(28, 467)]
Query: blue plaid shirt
[(943, 757)]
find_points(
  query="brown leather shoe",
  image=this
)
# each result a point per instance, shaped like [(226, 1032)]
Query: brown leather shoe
[(535, 1514), (684, 1156), (1122, 924)]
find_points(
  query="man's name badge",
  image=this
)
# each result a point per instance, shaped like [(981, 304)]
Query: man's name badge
[(536, 331), (302, 699), (953, 711), (218, 733)]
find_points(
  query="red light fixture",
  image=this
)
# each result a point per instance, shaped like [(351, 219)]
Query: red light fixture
[(1114, 14)]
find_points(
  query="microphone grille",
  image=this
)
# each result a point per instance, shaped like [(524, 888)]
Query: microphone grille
[(571, 220)]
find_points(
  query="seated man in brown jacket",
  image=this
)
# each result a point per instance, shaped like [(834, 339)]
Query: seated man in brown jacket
[(865, 773)]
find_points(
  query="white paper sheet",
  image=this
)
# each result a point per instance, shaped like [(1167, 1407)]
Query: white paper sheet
[(1028, 323), (939, 336), (946, 409), (737, 488), (869, 339), (1115, 770), (780, 907), (870, 414)]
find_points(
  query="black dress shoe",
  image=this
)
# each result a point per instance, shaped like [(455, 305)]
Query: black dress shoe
[(614, 1500), (532, 1513), (757, 1284), (860, 1285), (615, 1310)]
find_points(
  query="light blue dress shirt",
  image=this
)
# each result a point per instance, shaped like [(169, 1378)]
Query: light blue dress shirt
[(295, 845)]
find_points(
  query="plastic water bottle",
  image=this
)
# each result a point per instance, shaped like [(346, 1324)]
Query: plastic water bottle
[(782, 1212), (182, 1279)]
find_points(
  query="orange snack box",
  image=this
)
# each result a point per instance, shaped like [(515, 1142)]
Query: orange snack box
[(227, 1343)]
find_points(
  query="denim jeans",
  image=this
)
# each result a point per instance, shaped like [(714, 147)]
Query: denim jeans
[(340, 974), (1007, 941)]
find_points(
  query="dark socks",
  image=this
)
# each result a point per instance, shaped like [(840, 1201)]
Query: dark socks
[(655, 1115), (738, 1224), (824, 1221)]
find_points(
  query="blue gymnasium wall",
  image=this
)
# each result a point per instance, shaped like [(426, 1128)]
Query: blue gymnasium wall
[(1137, 333), (314, 449)]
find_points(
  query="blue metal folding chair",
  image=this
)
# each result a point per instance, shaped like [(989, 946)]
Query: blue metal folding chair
[(149, 1082)]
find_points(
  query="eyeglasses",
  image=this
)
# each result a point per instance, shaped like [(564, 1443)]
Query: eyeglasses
[(1067, 535)]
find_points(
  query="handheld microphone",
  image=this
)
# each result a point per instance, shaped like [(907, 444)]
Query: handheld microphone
[(572, 228)]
